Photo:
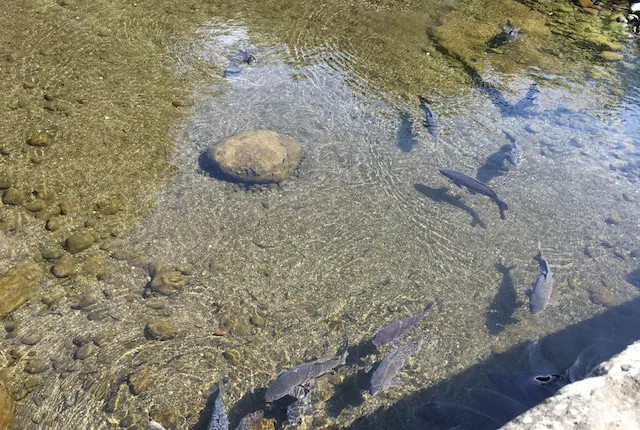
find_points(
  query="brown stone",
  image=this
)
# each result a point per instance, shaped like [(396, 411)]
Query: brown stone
[(18, 285), (161, 330), (256, 157), (6, 408), (139, 381)]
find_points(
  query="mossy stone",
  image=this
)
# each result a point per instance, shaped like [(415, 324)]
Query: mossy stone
[(79, 242), (13, 196), (37, 365), (54, 223), (39, 140), (161, 330), (65, 266), (52, 253), (35, 205)]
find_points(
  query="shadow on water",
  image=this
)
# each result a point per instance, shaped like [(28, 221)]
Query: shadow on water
[(619, 326), (442, 195), (405, 137), (494, 166), (500, 312)]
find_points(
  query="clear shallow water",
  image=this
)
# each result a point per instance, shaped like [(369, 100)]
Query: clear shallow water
[(361, 236)]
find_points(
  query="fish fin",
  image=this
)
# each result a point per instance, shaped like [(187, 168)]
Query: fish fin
[(473, 193), (368, 368), (528, 292), (502, 206)]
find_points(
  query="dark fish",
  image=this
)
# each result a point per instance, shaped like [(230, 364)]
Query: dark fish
[(288, 382), (474, 186), (431, 120), (391, 332), (385, 374), (452, 415), (250, 419), (246, 57), (527, 388), (219, 419), (540, 293), (405, 137), (494, 404), (513, 154), (508, 33)]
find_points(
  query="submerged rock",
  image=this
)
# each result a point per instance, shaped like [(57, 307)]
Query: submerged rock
[(256, 157), (608, 398), (161, 330), (6, 407), (13, 196), (79, 242), (18, 285)]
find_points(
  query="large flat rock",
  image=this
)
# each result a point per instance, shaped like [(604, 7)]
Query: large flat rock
[(18, 285)]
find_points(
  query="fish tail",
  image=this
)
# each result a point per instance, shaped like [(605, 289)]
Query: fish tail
[(503, 207)]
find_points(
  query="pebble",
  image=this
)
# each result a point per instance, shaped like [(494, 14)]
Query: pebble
[(66, 207), (573, 283), (613, 220), (65, 266), (85, 351), (79, 242), (85, 301), (82, 339), (13, 196), (35, 205), (179, 103), (611, 56), (31, 339), (167, 282), (39, 140), (110, 207), (257, 321), (232, 356), (533, 128), (601, 295), (36, 365), (139, 381), (161, 330), (102, 339), (52, 253), (54, 223)]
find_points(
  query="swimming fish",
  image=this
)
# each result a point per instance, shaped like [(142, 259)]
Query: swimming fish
[(219, 419), (474, 186), (288, 382), (391, 332), (508, 33), (385, 374), (431, 121), (540, 293), (513, 154)]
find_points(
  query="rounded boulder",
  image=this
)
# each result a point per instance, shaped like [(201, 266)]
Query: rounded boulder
[(256, 157)]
